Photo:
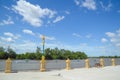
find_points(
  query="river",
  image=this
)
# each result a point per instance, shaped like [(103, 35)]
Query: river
[(28, 65)]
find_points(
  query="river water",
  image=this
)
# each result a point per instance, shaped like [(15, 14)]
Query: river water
[(28, 65)]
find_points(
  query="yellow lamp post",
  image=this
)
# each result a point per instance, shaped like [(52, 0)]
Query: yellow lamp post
[(42, 66)]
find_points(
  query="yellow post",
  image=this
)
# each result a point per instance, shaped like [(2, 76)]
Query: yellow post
[(42, 68), (68, 64), (87, 63), (102, 62), (8, 66), (113, 61)]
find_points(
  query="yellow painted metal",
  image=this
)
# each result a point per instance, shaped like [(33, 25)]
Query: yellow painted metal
[(8, 66), (68, 64), (87, 63), (43, 39), (113, 61), (42, 65), (102, 62)]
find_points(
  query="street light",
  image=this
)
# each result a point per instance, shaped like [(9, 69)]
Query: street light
[(43, 42), (42, 68)]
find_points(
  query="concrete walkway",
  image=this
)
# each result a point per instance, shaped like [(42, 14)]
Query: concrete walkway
[(106, 73)]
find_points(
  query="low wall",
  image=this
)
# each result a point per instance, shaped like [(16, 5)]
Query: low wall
[(26, 65)]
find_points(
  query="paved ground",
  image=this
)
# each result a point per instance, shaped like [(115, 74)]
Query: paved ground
[(106, 73)]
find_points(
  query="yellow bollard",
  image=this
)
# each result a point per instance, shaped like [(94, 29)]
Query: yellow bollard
[(68, 64), (102, 62), (113, 61), (87, 63), (42, 68), (8, 66)]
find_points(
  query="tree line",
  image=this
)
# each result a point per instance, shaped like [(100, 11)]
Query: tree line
[(50, 54), (105, 56)]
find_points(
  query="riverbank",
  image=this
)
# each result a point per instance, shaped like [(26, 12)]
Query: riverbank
[(106, 73)]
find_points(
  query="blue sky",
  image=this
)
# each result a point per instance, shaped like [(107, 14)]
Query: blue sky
[(91, 26)]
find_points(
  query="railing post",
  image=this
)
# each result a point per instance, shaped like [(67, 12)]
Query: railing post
[(87, 63), (113, 61), (42, 68), (68, 64), (8, 66), (102, 62)]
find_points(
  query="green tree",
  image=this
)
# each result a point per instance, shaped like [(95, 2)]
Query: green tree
[(48, 54), (38, 50), (38, 53), (3, 54), (2, 49), (67, 54), (11, 52)]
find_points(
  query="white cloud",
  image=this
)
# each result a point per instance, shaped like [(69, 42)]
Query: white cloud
[(9, 39), (33, 14), (92, 5), (76, 35), (107, 7), (110, 34), (47, 37), (118, 31), (59, 18), (119, 34), (67, 12), (6, 7), (28, 32), (23, 47), (6, 22), (118, 44), (50, 38), (89, 4), (79, 36), (118, 11), (48, 22), (11, 35), (104, 40), (28, 43), (114, 38), (77, 2), (83, 44), (88, 36)]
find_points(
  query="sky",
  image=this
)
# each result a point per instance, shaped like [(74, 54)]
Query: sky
[(90, 26)]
